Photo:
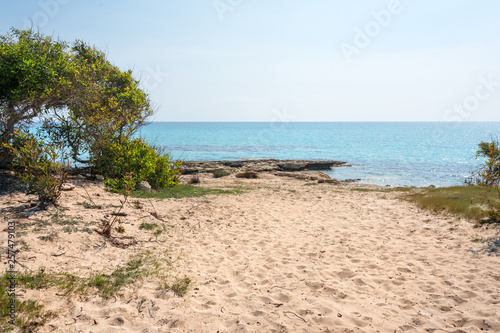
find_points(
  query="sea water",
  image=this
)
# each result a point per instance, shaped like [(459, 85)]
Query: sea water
[(389, 153)]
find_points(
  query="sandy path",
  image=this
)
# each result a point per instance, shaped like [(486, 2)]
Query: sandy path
[(323, 259), (295, 258)]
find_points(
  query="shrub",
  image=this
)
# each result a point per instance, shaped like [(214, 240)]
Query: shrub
[(37, 166), (107, 225), (194, 179), (489, 176), (220, 173), (117, 159)]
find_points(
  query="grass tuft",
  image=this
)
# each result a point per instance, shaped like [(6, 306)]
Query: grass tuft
[(181, 286), (48, 238), (148, 226), (464, 201)]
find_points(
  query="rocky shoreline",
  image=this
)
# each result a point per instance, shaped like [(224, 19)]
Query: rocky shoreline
[(259, 165), (308, 170)]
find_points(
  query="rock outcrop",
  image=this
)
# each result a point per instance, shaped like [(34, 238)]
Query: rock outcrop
[(259, 165), (143, 186)]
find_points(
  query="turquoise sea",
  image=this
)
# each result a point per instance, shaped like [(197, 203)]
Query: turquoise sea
[(389, 153)]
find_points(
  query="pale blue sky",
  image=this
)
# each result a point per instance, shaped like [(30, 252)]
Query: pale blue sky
[(315, 60)]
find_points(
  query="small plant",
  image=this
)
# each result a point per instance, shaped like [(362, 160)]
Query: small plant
[(108, 285), (129, 185), (181, 286), (120, 230), (137, 204), (220, 173), (194, 179), (157, 233), (24, 245), (148, 226), (37, 166), (50, 237)]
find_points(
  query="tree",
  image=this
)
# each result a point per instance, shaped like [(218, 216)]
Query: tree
[(88, 106), (33, 72), (104, 104), (489, 174), (83, 98)]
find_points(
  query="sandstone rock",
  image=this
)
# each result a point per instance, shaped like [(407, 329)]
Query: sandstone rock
[(67, 187), (293, 166), (322, 165), (99, 177), (258, 165), (320, 175), (143, 186)]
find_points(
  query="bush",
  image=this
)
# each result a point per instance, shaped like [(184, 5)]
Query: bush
[(195, 179), (488, 176), (38, 168), (220, 173), (135, 156)]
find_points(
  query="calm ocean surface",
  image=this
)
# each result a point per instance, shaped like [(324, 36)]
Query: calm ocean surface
[(399, 154)]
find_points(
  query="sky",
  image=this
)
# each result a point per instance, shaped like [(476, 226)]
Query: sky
[(289, 60)]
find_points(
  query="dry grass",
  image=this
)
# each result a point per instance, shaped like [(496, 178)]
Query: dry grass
[(465, 201)]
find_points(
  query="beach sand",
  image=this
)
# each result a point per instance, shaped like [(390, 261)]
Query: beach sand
[(281, 257)]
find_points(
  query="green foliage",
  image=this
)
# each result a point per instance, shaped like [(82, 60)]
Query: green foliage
[(107, 104), (37, 166), (148, 226), (48, 238), (33, 73), (135, 156), (181, 286), (187, 191), (29, 313), (108, 285), (489, 173), (84, 98), (488, 177)]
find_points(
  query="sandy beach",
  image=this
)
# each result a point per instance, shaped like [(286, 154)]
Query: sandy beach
[(283, 256)]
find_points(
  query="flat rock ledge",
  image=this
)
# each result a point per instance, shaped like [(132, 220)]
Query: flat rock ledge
[(259, 165)]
